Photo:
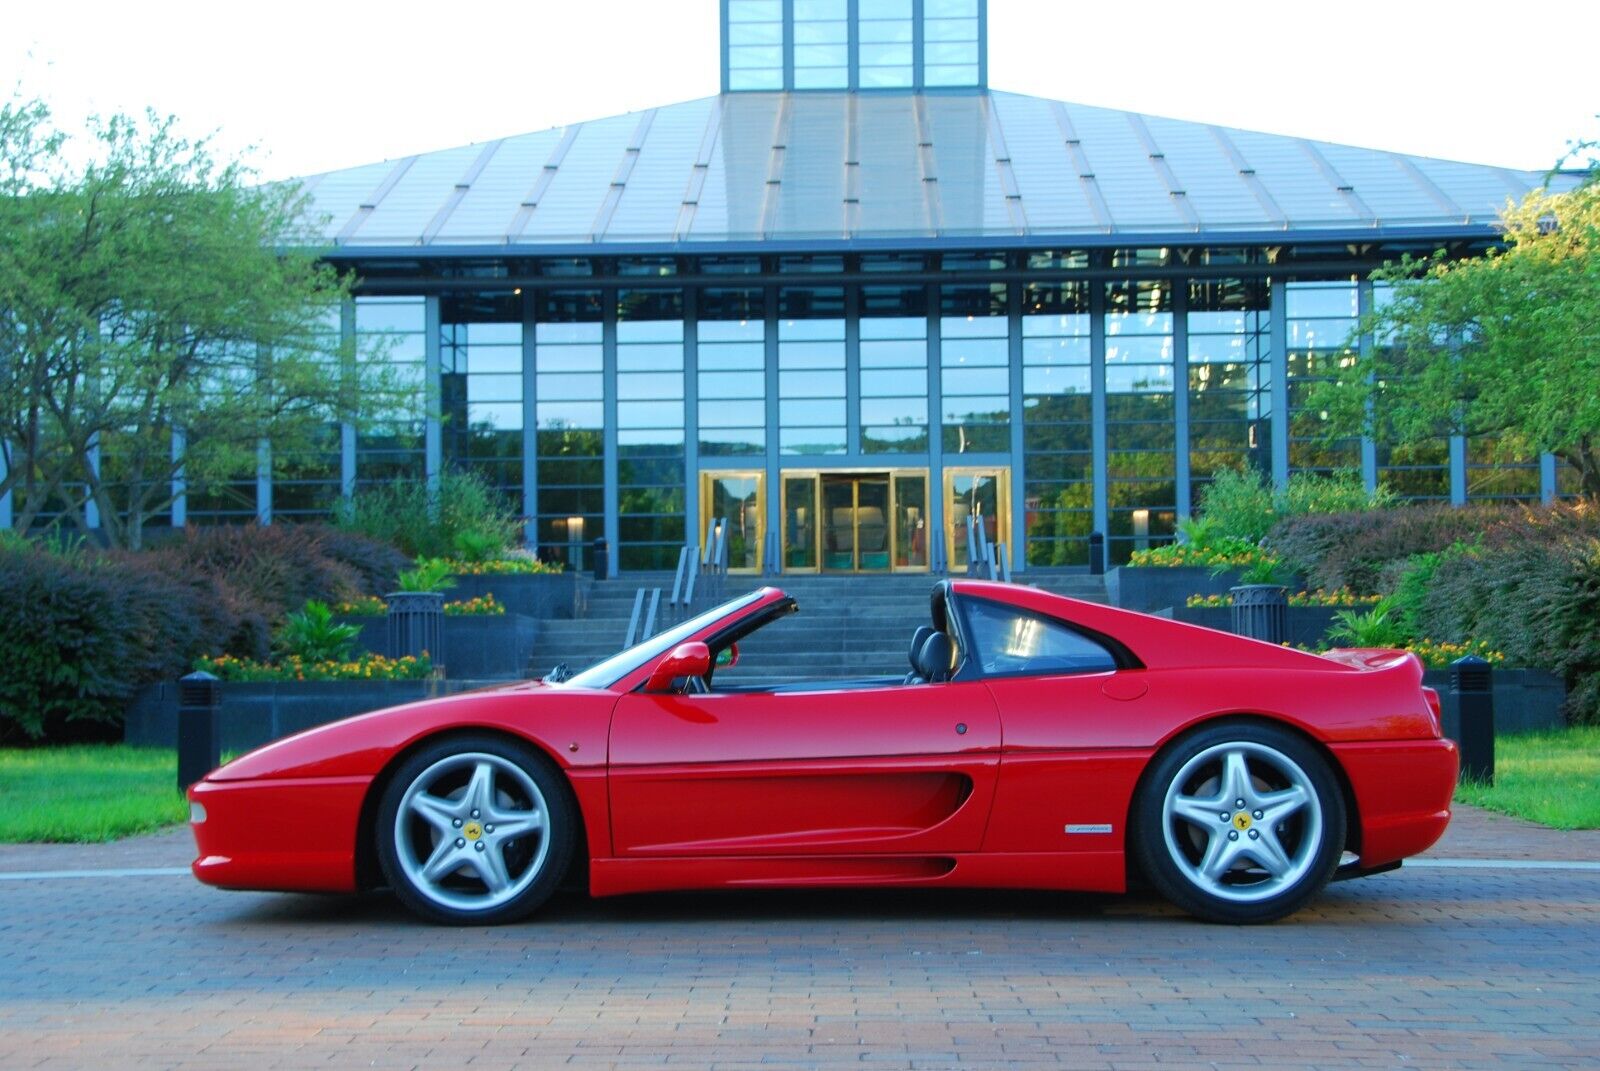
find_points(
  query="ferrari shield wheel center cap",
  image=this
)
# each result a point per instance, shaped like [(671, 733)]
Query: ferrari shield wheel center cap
[(1241, 822), (472, 830)]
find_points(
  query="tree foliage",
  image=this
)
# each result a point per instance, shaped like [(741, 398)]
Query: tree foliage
[(1504, 347), (160, 316)]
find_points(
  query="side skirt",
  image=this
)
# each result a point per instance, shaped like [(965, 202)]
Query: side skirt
[(1102, 871)]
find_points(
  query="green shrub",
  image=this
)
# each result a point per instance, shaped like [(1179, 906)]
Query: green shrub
[(376, 564), (1354, 549), (421, 524), (1240, 505), (1309, 493), (1533, 592), (1237, 505), (276, 568), (1378, 627), (312, 635), (80, 637), (429, 575)]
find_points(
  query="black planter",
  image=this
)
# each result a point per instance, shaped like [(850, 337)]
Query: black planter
[(1308, 625), (1261, 612), (481, 647), (1155, 587), (416, 622), (252, 714), (543, 596)]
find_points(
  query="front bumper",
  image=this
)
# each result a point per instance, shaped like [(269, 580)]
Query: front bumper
[(1403, 791), (290, 834)]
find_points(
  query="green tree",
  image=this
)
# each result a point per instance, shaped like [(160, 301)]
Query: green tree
[(1505, 347), (161, 314)]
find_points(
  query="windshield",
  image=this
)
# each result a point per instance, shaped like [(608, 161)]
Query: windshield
[(605, 674)]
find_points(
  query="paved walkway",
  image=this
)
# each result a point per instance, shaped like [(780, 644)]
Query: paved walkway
[(1426, 967)]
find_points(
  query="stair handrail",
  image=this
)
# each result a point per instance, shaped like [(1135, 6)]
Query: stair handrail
[(677, 575), (633, 620), (650, 614)]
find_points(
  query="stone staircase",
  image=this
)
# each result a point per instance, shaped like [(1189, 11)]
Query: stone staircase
[(848, 626)]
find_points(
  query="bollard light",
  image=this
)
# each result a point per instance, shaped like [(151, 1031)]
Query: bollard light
[(1472, 683), (199, 735)]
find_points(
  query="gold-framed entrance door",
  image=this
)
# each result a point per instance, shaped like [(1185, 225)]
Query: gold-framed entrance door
[(984, 495), (738, 499), (855, 521)]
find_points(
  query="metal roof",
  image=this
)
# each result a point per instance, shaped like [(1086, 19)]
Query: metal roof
[(816, 170)]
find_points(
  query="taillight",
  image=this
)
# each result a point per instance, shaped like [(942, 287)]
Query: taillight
[(1438, 711)]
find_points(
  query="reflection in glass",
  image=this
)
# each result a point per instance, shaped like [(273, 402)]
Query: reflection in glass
[(1321, 316), (975, 371), (392, 329), (734, 499), (1141, 440), (811, 364), (1057, 421), (800, 523), (650, 421), (911, 521), (570, 415), (973, 495), (480, 388)]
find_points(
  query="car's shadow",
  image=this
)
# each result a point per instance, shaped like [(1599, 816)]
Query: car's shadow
[(776, 906)]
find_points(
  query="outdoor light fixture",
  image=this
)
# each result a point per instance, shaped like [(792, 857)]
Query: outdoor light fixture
[(1141, 529), (575, 542)]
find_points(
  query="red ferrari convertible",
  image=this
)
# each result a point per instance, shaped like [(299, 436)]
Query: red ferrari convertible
[(1036, 742)]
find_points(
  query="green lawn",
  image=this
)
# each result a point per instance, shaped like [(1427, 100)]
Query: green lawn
[(87, 794), (1551, 778)]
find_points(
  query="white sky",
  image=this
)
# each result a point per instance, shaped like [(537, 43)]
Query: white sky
[(335, 83)]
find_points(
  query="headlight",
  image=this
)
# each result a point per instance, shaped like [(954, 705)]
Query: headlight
[(197, 813)]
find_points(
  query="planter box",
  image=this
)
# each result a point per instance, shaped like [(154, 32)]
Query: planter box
[(473, 648), (541, 597), (1307, 624), (1525, 700), (256, 714), (1151, 587)]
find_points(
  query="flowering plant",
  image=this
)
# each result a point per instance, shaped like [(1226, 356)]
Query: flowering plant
[(482, 606), (361, 606), (514, 564), (363, 667), (1339, 597)]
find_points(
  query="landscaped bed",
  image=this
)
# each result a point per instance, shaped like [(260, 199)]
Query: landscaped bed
[(1551, 778), (87, 794)]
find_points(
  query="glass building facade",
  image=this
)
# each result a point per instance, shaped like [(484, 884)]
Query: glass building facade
[(852, 412), (860, 308)]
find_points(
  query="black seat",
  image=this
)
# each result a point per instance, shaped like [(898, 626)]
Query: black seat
[(936, 660), (921, 637)]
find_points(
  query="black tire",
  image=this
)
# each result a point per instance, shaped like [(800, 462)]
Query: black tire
[(1234, 885), (521, 783)]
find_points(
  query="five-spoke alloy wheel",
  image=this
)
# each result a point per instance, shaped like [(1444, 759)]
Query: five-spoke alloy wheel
[(1239, 822), (475, 830)]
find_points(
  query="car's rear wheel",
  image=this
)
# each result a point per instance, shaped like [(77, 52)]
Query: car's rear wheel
[(475, 830), (1239, 822)]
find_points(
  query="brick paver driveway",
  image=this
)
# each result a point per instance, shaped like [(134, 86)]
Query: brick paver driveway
[(1447, 966)]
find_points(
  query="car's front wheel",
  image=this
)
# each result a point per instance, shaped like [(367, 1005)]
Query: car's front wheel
[(1239, 822), (475, 830)]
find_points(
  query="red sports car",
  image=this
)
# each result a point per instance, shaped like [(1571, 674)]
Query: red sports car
[(1037, 742)]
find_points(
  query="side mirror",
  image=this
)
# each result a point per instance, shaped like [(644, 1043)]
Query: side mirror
[(728, 656), (691, 659)]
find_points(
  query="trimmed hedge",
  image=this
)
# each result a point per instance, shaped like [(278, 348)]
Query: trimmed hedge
[(1352, 550), (1537, 600), (1524, 580), (80, 634), (83, 630)]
